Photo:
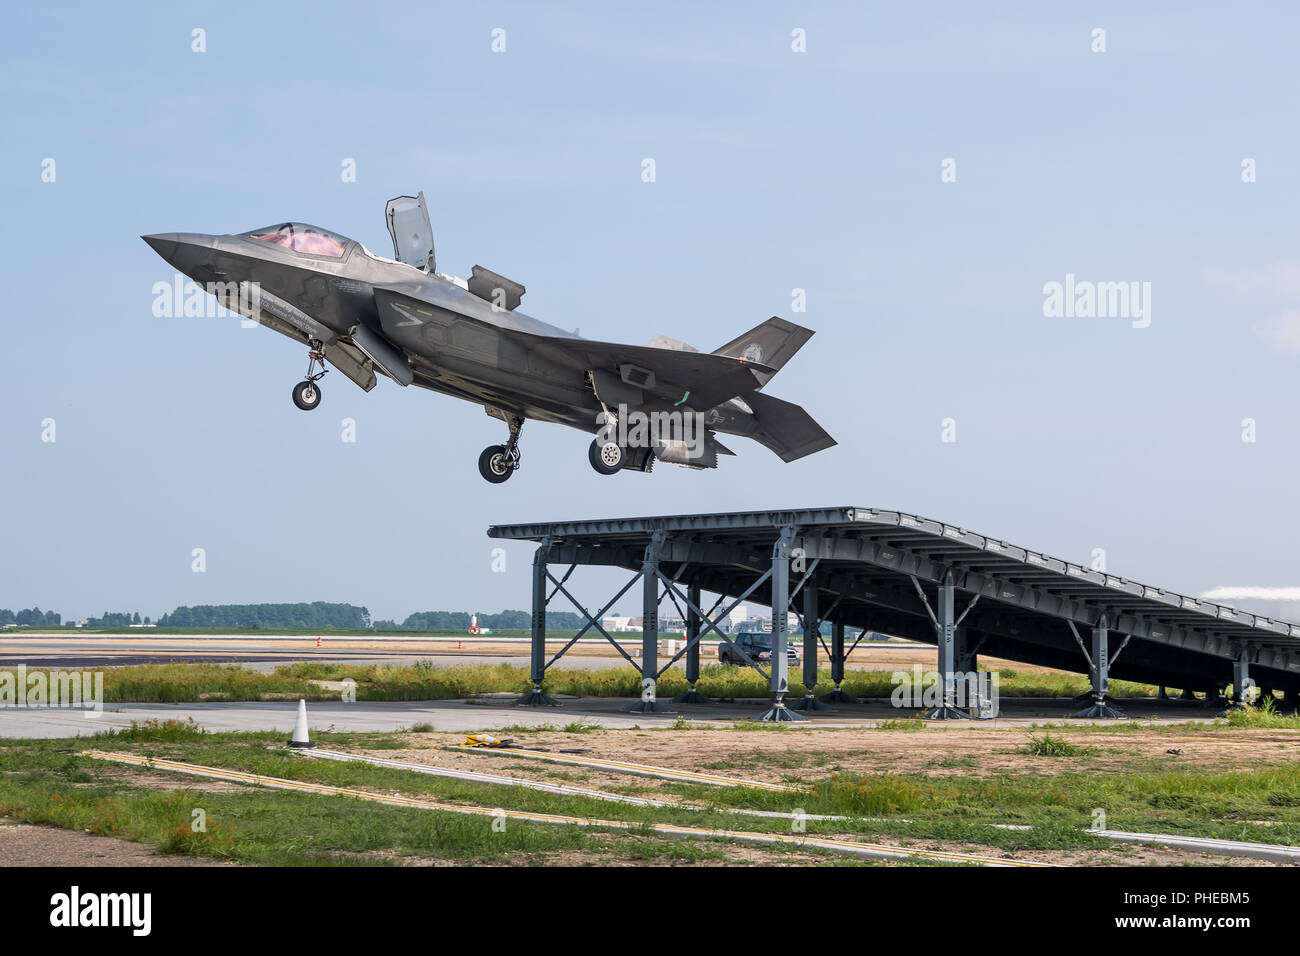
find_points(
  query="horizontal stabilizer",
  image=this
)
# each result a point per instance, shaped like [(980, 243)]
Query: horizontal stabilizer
[(786, 428), (772, 344)]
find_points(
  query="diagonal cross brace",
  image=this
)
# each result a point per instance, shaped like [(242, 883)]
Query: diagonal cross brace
[(1122, 644), (826, 616), (573, 567), (592, 622), (804, 580), (975, 600), (707, 623), (1083, 647), (925, 602), (861, 635)]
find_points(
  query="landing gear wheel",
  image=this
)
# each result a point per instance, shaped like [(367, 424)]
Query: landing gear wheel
[(606, 457), (499, 462), (306, 395), (495, 464)]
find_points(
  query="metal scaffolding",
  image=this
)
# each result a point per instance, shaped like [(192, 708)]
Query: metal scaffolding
[(902, 575)]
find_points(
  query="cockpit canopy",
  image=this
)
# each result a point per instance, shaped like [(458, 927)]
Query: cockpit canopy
[(300, 237)]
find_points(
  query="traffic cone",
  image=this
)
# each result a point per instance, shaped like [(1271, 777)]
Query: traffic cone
[(460, 645), (318, 641), (300, 738)]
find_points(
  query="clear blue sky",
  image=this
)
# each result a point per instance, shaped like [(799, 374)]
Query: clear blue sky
[(775, 170)]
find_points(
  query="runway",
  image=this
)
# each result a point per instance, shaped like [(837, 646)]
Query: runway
[(493, 712), (54, 651)]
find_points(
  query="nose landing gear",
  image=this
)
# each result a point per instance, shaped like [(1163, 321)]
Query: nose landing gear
[(498, 462), (306, 394)]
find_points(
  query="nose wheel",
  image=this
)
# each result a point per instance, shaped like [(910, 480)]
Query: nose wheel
[(498, 462), (306, 394)]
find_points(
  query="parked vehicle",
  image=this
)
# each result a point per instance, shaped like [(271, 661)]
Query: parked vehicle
[(757, 646)]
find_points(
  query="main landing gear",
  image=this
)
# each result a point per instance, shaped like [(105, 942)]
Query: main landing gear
[(306, 394), (498, 462), (607, 457)]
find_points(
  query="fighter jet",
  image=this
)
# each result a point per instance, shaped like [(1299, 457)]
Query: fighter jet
[(367, 315)]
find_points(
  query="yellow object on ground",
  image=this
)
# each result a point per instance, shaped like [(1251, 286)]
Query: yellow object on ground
[(485, 740)]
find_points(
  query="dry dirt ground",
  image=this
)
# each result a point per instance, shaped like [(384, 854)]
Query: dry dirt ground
[(796, 756), (802, 756), (23, 844), (792, 756)]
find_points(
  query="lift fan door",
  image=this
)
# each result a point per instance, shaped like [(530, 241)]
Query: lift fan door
[(408, 224)]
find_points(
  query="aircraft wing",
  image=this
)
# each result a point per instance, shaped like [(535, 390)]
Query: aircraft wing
[(692, 378)]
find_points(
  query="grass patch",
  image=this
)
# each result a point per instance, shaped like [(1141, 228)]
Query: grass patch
[(526, 729), (170, 731), (1049, 746), (42, 782), (750, 725), (906, 724), (174, 683), (1263, 716)]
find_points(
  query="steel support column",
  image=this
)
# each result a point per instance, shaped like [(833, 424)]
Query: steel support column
[(692, 696), (537, 669), (946, 631), (648, 704), (1241, 682), (812, 625), (1099, 673), (838, 696), (780, 628)]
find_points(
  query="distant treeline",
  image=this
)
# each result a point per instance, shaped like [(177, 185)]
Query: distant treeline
[(116, 619), (32, 617), (318, 614), (350, 617)]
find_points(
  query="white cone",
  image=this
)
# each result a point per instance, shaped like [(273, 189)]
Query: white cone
[(300, 738)]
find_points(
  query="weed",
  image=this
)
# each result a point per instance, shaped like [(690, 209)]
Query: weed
[(1049, 746)]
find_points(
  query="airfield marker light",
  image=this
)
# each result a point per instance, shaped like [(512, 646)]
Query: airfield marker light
[(300, 737)]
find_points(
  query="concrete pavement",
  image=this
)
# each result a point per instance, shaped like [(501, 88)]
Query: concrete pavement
[(497, 711)]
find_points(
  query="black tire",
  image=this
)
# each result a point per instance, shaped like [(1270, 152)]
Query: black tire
[(602, 456), (493, 464), (306, 395)]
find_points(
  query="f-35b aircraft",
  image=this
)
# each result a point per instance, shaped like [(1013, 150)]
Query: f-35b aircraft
[(365, 314)]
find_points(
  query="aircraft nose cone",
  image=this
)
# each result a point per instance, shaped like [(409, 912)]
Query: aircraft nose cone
[(164, 243), (185, 251)]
